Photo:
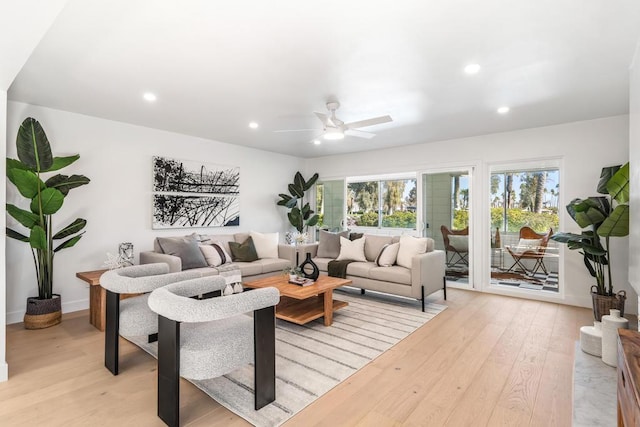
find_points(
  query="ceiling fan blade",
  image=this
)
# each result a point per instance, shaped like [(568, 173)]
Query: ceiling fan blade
[(369, 122), (325, 119), (294, 130), (359, 133)]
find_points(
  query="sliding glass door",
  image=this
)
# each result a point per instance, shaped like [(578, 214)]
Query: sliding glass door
[(446, 213)]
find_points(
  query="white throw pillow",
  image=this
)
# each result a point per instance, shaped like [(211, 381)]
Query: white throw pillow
[(409, 247), (388, 254), (460, 242), (214, 254), (266, 244), (526, 245), (352, 250)]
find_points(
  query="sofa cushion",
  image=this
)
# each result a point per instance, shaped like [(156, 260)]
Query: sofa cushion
[(395, 274), (249, 268), (409, 247), (322, 263), (329, 244), (351, 249), (243, 252), (270, 264), (184, 247), (215, 254), (240, 237), (388, 255), (360, 269), (374, 244), (266, 244)]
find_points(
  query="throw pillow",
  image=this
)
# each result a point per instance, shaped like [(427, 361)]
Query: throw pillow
[(526, 245), (355, 236), (388, 254), (409, 247), (329, 244), (184, 247), (352, 250), (215, 254), (461, 242), (243, 252), (266, 244)]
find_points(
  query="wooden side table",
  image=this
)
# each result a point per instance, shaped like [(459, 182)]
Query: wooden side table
[(97, 297)]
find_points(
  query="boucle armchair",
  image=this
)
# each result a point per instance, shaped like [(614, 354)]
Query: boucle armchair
[(207, 338), (132, 316)]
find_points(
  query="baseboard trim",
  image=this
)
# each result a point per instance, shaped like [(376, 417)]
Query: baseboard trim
[(67, 307)]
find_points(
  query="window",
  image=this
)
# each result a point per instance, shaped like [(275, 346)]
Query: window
[(382, 203), (525, 198)]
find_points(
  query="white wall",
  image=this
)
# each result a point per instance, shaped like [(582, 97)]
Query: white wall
[(117, 203), (634, 159), (4, 369), (583, 147)]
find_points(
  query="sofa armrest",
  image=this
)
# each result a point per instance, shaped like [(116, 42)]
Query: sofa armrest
[(428, 270), (289, 252), (150, 257)]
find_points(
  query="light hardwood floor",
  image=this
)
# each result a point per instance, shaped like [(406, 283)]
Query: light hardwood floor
[(488, 360)]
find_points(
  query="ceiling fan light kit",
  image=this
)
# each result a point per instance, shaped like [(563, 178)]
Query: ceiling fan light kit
[(335, 129)]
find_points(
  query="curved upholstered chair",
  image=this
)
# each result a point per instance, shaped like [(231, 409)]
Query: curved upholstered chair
[(207, 338), (456, 243), (132, 316)]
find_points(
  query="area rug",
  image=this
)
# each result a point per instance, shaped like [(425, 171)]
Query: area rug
[(312, 359), (594, 391)]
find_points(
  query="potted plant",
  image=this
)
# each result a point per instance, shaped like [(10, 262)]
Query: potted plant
[(603, 217), (300, 216), (45, 199)]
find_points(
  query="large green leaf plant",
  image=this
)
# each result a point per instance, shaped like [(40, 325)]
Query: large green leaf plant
[(299, 216), (603, 217), (46, 198)]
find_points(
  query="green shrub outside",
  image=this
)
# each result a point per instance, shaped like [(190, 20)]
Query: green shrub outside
[(517, 218)]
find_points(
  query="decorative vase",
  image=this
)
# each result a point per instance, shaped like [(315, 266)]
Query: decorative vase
[(610, 325), (289, 238), (602, 304), (591, 339), (43, 313), (498, 243), (309, 268)]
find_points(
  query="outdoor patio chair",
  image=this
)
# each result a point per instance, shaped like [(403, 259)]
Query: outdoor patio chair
[(531, 246), (456, 242), (206, 338)]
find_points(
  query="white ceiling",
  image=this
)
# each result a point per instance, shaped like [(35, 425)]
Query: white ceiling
[(216, 65)]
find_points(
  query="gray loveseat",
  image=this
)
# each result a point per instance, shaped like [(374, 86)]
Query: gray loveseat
[(258, 269), (426, 275)]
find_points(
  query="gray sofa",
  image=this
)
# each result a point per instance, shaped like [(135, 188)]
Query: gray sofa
[(426, 275), (258, 269)]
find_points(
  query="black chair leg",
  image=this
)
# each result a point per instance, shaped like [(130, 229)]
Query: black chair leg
[(444, 287), (422, 291), (264, 333), (361, 291), (169, 371), (111, 332)]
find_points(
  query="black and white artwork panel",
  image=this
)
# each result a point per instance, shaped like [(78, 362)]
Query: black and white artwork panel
[(178, 211), (188, 176)]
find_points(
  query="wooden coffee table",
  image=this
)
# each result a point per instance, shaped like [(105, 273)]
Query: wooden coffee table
[(302, 304)]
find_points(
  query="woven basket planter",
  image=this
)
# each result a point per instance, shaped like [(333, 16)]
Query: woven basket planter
[(43, 313), (603, 303)]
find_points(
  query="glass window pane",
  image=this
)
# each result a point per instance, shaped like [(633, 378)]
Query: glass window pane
[(362, 204), (399, 203)]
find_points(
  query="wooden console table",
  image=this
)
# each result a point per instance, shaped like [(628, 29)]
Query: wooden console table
[(97, 297), (628, 377)]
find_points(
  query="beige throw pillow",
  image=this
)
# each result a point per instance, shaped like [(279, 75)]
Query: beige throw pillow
[(329, 244), (409, 247), (352, 250), (461, 243), (214, 254), (388, 255), (266, 244)]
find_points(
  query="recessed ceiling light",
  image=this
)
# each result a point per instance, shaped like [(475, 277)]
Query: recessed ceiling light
[(253, 125), (317, 142), (472, 68), (503, 110), (149, 97)]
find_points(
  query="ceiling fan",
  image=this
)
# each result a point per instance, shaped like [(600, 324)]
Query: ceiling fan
[(334, 128)]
